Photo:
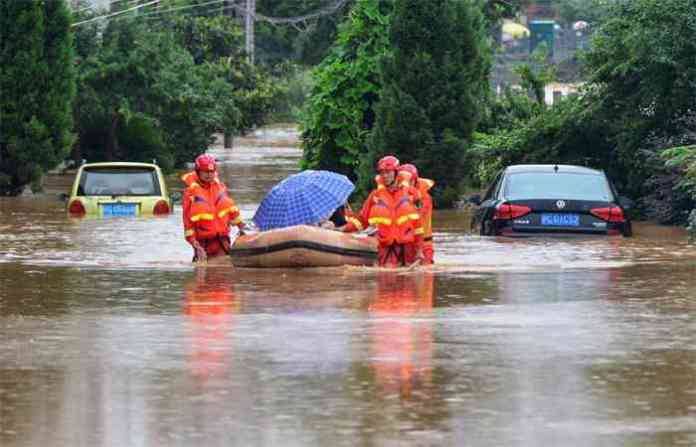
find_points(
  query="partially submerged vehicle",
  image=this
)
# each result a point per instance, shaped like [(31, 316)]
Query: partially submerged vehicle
[(303, 246), (551, 199), (113, 189)]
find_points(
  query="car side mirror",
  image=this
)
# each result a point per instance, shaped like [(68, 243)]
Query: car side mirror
[(625, 202), (475, 199), (63, 197)]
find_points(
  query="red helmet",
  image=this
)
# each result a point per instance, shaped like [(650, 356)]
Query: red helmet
[(411, 169), (205, 162), (388, 163)]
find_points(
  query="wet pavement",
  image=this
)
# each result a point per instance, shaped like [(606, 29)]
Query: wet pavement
[(111, 337)]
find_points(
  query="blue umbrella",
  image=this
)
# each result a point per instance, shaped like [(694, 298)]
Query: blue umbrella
[(305, 198)]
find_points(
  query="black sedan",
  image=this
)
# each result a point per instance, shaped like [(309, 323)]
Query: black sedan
[(551, 199)]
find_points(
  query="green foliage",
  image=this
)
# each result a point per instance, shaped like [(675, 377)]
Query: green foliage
[(37, 81), (160, 87), (568, 132), (684, 159), (305, 43), (434, 87), (639, 100), (295, 84), (339, 112), (216, 43), (140, 73), (642, 62)]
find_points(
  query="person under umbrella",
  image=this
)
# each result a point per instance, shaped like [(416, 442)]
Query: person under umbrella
[(307, 198)]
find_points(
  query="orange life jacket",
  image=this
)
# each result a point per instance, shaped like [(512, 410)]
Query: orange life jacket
[(208, 210), (394, 214), (423, 185)]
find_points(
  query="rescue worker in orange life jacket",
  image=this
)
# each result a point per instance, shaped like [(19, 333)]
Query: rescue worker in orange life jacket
[(208, 210), (391, 209), (409, 174)]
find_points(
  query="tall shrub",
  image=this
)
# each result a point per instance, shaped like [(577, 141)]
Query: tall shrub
[(37, 85), (340, 111), (433, 90)]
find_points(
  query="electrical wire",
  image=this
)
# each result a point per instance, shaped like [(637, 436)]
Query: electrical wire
[(292, 20), (106, 16), (178, 8)]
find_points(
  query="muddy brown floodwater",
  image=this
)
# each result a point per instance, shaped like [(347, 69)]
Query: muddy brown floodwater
[(110, 337)]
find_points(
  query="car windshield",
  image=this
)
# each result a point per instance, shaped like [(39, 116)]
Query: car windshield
[(125, 181), (543, 185)]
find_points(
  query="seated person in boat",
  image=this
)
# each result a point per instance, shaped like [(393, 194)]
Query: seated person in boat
[(408, 174), (391, 208), (338, 218), (208, 210)]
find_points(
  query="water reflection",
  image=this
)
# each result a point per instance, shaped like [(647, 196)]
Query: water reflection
[(401, 334), (111, 337), (210, 304)]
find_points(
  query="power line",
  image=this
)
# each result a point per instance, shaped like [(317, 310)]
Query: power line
[(291, 20), (178, 8), (108, 5), (106, 16)]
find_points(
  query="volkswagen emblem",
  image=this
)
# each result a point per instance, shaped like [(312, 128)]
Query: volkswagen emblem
[(560, 204)]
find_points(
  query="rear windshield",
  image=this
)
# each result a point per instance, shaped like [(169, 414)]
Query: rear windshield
[(543, 185), (119, 182)]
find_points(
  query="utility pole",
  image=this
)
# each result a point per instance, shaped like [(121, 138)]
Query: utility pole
[(249, 29)]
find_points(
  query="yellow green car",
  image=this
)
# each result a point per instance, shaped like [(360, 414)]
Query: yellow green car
[(119, 189)]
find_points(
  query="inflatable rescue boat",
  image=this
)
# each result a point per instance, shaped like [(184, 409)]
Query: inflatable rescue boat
[(303, 246)]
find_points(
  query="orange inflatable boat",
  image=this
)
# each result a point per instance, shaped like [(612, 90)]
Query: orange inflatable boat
[(303, 246)]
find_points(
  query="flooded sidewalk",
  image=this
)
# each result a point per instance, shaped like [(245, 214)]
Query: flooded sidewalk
[(111, 337)]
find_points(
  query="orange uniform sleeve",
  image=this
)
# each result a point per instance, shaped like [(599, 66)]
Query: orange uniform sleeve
[(358, 222), (189, 231)]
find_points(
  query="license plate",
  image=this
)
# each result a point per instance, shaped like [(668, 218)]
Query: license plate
[(560, 220), (118, 209)]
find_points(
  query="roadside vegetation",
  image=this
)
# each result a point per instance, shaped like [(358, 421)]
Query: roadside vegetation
[(363, 78), (634, 116)]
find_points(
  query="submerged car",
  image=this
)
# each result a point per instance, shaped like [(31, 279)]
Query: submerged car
[(119, 189), (551, 199)]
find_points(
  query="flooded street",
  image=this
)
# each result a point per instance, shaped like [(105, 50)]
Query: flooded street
[(111, 337)]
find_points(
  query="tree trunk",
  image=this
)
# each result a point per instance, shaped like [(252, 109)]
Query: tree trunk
[(228, 140)]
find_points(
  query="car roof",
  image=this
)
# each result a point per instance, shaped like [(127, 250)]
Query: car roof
[(119, 164), (513, 169)]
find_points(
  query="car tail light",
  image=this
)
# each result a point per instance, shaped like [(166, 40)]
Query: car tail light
[(506, 211), (161, 207), (76, 208), (609, 214)]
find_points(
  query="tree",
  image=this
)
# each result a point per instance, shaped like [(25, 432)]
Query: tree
[(340, 111), (37, 81), (641, 67), (434, 87), (305, 42), (141, 77)]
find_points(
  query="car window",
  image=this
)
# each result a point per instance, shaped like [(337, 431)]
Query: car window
[(491, 189), (113, 181), (543, 185)]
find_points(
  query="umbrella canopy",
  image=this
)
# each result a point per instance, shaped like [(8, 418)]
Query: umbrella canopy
[(515, 30), (305, 198)]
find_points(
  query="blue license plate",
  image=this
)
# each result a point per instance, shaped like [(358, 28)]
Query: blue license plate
[(560, 220), (118, 209)]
